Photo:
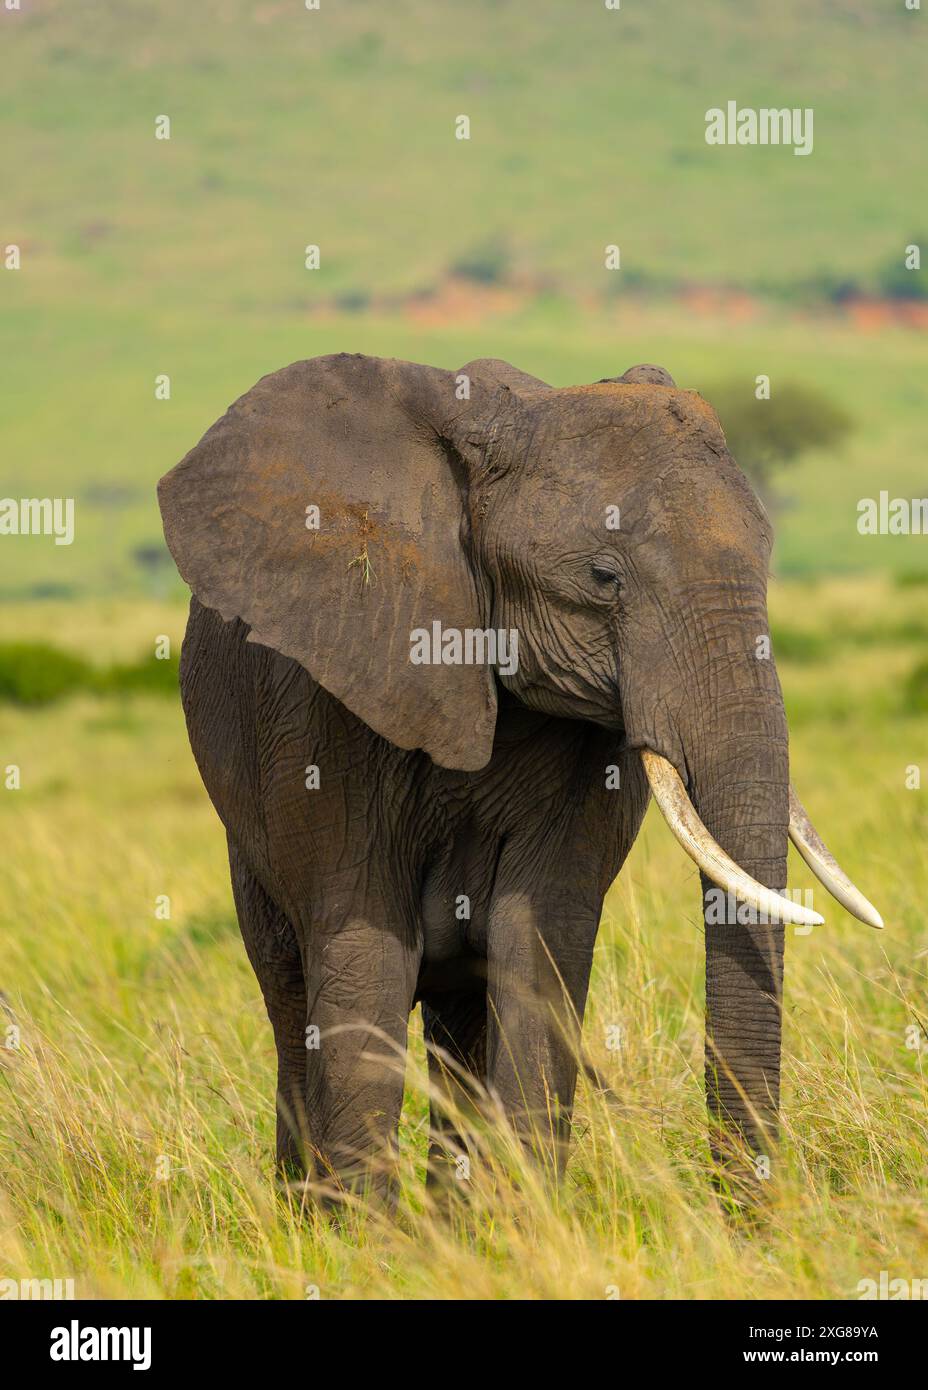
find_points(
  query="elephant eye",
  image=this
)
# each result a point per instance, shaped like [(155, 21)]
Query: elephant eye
[(604, 574)]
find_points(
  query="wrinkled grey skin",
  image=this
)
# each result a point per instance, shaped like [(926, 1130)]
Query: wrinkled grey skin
[(442, 781)]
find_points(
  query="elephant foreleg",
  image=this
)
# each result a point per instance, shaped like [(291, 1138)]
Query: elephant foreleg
[(272, 948), (539, 961), (361, 971)]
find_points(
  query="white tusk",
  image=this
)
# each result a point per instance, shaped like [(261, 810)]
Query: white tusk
[(823, 864), (680, 814)]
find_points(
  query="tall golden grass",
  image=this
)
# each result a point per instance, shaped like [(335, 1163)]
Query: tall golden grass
[(136, 1114)]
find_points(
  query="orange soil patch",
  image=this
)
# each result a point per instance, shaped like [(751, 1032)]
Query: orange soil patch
[(737, 306), (870, 315), (462, 301)]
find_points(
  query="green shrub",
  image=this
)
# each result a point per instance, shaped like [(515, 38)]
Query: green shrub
[(147, 676), (915, 690), (790, 644), (486, 263), (896, 281), (353, 301), (911, 579), (35, 673)]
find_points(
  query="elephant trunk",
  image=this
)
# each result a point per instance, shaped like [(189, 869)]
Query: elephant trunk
[(740, 787), (719, 720)]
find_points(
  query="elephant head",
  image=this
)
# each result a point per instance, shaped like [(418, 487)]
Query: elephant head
[(347, 501)]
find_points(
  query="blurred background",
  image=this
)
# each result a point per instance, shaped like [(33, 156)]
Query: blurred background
[(288, 127), (142, 258)]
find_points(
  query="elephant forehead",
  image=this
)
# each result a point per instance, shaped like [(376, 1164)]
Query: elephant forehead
[(618, 433), (703, 511), (698, 493), (606, 404)]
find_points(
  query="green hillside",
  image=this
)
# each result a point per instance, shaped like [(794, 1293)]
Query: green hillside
[(335, 127)]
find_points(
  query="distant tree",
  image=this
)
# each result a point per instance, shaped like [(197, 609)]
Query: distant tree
[(487, 263), (896, 281), (766, 436)]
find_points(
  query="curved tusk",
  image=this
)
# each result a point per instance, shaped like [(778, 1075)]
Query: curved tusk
[(680, 814), (823, 864)]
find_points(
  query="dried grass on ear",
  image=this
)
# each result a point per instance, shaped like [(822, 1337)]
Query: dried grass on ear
[(362, 560)]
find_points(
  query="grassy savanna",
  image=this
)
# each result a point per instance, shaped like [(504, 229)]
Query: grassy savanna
[(144, 1039)]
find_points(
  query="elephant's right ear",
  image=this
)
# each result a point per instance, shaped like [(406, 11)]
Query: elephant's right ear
[(643, 374), (324, 510)]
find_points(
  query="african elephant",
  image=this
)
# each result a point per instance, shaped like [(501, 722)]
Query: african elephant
[(408, 821)]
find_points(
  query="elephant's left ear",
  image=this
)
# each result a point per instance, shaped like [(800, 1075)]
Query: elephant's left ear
[(324, 510)]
